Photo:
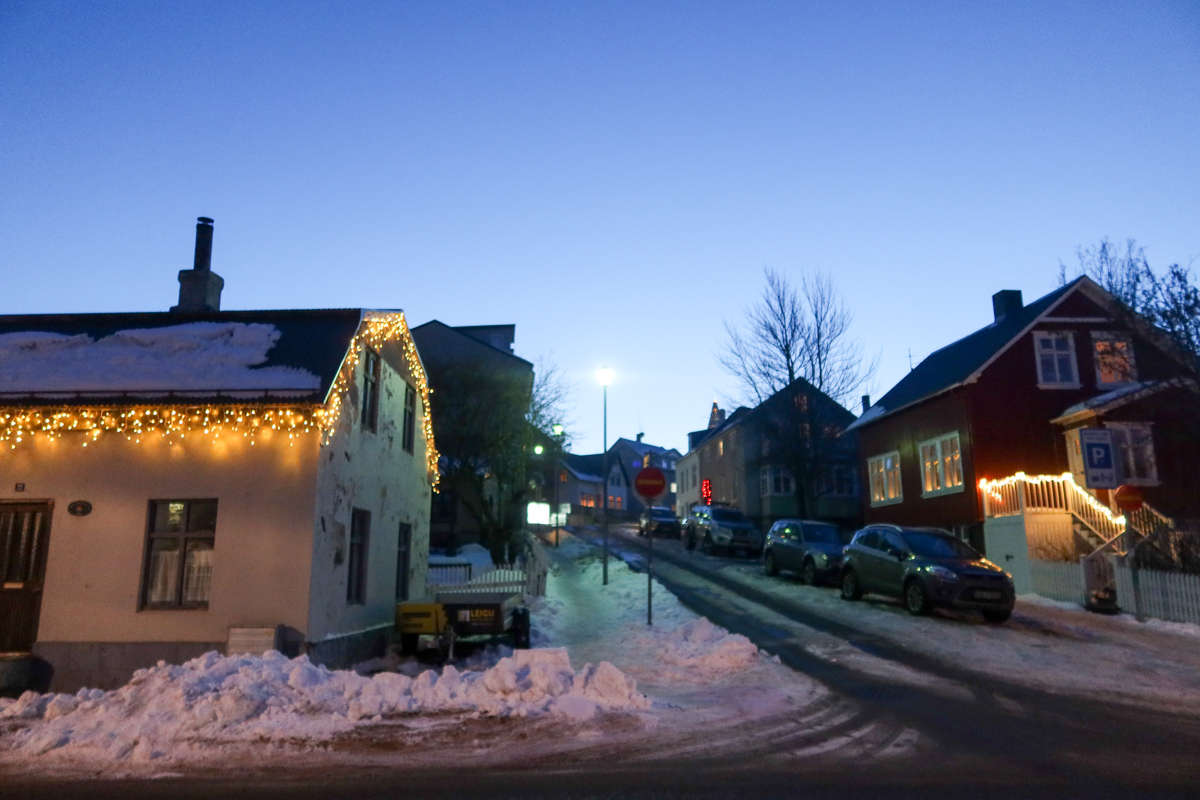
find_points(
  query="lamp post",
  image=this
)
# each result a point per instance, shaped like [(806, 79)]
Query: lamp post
[(604, 376), (558, 436)]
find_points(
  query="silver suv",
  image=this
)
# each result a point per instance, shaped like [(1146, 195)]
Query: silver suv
[(721, 529)]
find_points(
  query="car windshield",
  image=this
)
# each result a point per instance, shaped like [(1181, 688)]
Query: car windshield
[(932, 545), (728, 515), (822, 534), (662, 513)]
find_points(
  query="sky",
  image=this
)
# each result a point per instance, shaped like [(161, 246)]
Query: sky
[(612, 178)]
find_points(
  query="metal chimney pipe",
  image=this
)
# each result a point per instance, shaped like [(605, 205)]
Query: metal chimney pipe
[(204, 232)]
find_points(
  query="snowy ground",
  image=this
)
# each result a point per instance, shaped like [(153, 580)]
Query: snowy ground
[(1046, 645), (683, 687)]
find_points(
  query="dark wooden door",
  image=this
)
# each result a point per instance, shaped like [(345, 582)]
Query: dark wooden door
[(24, 538)]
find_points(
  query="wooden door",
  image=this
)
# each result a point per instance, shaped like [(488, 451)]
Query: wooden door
[(24, 538)]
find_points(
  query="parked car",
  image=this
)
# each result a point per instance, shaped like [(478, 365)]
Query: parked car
[(721, 529), (658, 521), (925, 567), (813, 549)]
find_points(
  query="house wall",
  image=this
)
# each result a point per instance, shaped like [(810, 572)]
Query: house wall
[(91, 627), (902, 433), (688, 493), (369, 471)]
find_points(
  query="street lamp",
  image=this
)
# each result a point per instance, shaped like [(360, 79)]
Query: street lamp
[(558, 436), (604, 377)]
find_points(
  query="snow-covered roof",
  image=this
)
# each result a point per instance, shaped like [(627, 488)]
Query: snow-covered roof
[(249, 356)]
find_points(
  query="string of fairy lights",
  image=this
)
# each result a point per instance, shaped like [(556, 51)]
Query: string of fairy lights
[(253, 422)]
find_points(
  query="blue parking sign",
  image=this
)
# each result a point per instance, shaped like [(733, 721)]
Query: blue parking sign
[(1099, 461)]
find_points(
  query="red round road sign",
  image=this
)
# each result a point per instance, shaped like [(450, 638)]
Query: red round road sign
[(650, 483), (1129, 498)]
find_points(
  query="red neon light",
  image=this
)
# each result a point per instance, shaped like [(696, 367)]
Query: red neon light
[(706, 491)]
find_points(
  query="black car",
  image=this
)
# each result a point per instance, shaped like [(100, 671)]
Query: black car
[(813, 549), (659, 521), (925, 567)]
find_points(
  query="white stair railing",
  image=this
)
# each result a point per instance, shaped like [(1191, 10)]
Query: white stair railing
[(1021, 493)]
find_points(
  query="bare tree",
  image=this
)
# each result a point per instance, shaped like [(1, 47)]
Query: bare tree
[(794, 357), (796, 332)]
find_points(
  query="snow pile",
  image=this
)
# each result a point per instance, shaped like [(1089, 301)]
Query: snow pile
[(706, 650), (195, 356), (168, 710)]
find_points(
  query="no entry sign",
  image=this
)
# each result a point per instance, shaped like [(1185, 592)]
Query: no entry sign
[(650, 483)]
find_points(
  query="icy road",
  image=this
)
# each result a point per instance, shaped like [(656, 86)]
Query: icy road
[(1056, 694)]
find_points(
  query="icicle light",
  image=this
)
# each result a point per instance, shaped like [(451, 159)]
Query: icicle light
[(176, 422)]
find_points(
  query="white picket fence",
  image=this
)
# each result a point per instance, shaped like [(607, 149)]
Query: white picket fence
[(453, 577), (527, 575), (1172, 596), (1059, 580)]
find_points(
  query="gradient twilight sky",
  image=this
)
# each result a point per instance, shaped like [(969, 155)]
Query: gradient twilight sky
[(611, 177)]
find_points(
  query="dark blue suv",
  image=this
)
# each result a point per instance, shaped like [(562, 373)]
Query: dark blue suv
[(925, 567)]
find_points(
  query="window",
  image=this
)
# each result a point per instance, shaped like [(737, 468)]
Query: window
[(1114, 359), (562, 476), (941, 466), (614, 502), (721, 447), (673, 487), (884, 474), (403, 558), (179, 553), (775, 481), (1134, 443), (839, 480), (370, 390), (410, 417), (360, 536), (735, 486), (1056, 360)]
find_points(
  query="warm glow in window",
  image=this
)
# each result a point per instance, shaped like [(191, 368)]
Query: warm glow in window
[(884, 474), (941, 465)]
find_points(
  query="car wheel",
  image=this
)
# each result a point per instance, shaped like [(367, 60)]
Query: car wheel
[(808, 573), (916, 599), (706, 545), (997, 615), (851, 590), (769, 566)]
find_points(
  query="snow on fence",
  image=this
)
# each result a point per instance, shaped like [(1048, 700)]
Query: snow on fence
[(1059, 580), (1173, 596), (501, 578)]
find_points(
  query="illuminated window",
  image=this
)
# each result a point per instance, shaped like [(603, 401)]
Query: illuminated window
[(1114, 359), (179, 554), (1056, 360), (884, 474), (941, 466), (562, 476), (370, 390), (721, 447)]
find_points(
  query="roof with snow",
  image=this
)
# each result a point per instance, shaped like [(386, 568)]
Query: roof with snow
[(165, 358), (955, 364), (585, 468)]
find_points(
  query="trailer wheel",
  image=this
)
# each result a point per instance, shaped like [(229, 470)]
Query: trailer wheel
[(408, 644)]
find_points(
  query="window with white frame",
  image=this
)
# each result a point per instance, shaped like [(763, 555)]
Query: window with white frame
[(775, 481), (1113, 354), (1134, 443), (735, 489), (884, 474), (1056, 360), (941, 466)]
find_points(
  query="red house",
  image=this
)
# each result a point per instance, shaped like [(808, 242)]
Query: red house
[(944, 447)]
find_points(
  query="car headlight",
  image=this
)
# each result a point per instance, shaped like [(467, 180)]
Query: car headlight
[(943, 574)]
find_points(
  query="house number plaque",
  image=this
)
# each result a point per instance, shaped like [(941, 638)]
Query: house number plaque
[(80, 508)]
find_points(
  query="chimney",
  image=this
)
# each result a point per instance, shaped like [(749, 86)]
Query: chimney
[(200, 287), (1005, 302), (639, 436), (866, 400)]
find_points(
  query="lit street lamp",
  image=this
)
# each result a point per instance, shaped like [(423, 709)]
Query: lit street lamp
[(604, 376), (558, 435)]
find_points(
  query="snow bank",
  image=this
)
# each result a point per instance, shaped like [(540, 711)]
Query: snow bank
[(169, 710), (195, 356), (706, 650)]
